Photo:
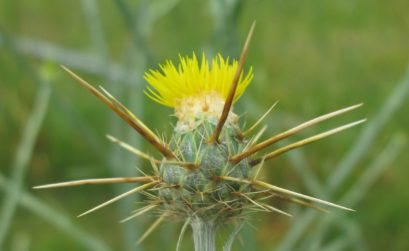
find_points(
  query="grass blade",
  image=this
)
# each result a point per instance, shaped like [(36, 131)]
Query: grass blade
[(22, 159), (56, 218)]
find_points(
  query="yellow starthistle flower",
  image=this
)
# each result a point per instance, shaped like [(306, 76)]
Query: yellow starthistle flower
[(196, 90), (170, 85), (209, 172)]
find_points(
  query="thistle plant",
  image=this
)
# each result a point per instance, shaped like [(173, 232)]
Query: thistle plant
[(208, 173)]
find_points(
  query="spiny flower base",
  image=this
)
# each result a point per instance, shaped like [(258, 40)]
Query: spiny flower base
[(199, 191)]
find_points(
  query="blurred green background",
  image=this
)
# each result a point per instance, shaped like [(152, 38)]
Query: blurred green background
[(312, 56)]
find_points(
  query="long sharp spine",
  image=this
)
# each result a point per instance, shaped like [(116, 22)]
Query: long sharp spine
[(229, 101)]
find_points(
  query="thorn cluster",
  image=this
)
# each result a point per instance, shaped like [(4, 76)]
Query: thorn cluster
[(209, 172)]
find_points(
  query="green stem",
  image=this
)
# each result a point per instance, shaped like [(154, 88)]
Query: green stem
[(203, 234)]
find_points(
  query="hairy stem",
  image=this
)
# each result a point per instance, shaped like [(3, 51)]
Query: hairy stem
[(203, 234)]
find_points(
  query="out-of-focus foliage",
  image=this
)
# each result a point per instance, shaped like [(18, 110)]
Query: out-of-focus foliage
[(312, 56)]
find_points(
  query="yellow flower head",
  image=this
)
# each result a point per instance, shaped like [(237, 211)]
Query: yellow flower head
[(171, 85), (196, 91)]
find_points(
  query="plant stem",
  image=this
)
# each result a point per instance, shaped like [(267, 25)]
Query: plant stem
[(203, 234)]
